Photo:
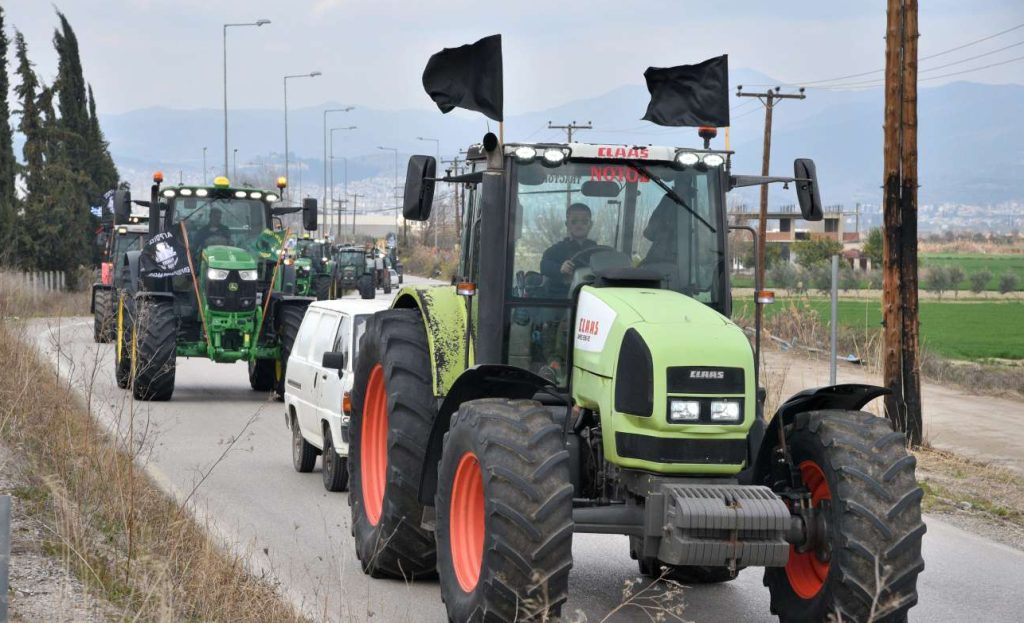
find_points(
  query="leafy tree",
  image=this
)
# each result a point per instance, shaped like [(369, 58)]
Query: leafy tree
[(848, 279), (8, 164), (875, 279), (937, 280), (31, 127), (814, 252), (782, 275), (772, 255), (820, 276), (979, 280), (104, 171), (873, 247), (1008, 282), (956, 277)]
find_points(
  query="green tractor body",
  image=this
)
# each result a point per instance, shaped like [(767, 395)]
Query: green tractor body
[(235, 301), (594, 383), (350, 272)]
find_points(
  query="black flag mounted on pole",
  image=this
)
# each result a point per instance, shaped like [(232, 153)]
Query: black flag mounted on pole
[(468, 76), (690, 95)]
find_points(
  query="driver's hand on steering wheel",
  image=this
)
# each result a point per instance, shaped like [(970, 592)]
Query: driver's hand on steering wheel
[(568, 267)]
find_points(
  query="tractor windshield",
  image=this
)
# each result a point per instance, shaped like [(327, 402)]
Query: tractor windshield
[(352, 258), (584, 217), (221, 220)]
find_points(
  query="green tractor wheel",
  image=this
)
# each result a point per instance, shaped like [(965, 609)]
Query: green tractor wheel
[(865, 566), (504, 513), (123, 342), (366, 287), (290, 321), (392, 411), (154, 350), (323, 287), (263, 374)]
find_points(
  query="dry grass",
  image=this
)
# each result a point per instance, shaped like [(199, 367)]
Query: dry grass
[(18, 301), (953, 483), (109, 523)]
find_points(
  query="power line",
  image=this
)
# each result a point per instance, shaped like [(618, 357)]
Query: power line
[(874, 83)]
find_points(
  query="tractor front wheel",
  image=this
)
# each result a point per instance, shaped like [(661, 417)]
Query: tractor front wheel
[(290, 319), (864, 563), (103, 329), (323, 287), (262, 374), (504, 513), (393, 409), (123, 342), (154, 349)]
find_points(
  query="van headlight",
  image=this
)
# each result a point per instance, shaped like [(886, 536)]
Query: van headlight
[(217, 274), (248, 275), (725, 411)]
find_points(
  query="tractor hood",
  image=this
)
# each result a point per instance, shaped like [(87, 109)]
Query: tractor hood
[(229, 258)]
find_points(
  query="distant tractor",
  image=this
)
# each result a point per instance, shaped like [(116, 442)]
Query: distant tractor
[(126, 233), (312, 265), (583, 376), (232, 306), (351, 272)]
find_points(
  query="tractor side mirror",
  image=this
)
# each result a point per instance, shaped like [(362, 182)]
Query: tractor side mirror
[(334, 361), (419, 188), (122, 206), (309, 214), (807, 189)]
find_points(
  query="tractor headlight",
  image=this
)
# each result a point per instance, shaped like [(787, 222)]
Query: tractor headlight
[(525, 154), (687, 159), (248, 275), (216, 274), (553, 157), (713, 160), (684, 411), (725, 411)]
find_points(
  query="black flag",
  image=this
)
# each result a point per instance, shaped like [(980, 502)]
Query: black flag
[(690, 95), (468, 76), (164, 256)]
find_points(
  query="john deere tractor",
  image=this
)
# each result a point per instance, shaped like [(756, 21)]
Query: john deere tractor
[(311, 265), (230, 305), (351, 272), (583, 376)]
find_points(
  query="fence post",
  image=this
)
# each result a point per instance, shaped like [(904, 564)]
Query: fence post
[(5, 552)]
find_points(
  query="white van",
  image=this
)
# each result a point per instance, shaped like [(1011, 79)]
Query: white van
[(318, 380)]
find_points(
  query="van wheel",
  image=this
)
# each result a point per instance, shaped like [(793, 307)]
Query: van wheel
[(335, 468)]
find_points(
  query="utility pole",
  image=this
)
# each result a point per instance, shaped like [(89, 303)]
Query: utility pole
[(900, 357), (569, 128), (355, 205), (770, 99)]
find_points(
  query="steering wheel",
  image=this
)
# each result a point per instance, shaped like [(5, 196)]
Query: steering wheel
[(582, 258), (218, 238)]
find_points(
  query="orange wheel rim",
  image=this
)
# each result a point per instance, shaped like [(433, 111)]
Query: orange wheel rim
[(466, 522), (373, 462), (805, 571)]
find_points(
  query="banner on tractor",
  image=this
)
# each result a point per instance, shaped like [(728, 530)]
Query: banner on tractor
[(164, 255), (690, 95)]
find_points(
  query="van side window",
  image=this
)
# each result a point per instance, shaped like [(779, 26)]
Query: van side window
[(306, 332), (324, 337), (344, 338)]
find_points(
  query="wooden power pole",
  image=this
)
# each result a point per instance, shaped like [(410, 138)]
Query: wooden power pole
[(770, 99), (901, 356)]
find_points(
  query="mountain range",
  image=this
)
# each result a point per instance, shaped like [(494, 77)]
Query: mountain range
[(971, 138)]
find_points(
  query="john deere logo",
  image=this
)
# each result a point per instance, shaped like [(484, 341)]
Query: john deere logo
[(232, 287)]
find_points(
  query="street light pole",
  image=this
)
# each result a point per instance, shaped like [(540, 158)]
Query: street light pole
[(394, 191), (312, 74), (234, 172), (333, 130), (204, 166), (345, 109), (259, 22)]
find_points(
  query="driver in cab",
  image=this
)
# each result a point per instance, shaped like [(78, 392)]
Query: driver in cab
[(557, 262), (214, 230)]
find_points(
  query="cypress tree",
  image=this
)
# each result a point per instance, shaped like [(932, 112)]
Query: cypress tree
[(8, 164), (104, 171), (70, 89), (31, 126)]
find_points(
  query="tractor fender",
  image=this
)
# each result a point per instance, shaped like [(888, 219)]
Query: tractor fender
[(847, 397), (131, 261), (92, 300), (444, 318), (483, 381)]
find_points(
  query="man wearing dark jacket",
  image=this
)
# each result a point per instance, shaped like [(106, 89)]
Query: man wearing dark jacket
[(556, 263)]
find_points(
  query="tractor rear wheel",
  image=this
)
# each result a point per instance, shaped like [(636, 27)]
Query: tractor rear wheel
[(504, 513), (393, 409), (102, 316), (123, 341), (290, 319), (323, 287), (262, 374), (154, 349), (861, 477), (366, 288)]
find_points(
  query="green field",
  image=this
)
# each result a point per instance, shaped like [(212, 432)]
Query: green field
[(950, 329)]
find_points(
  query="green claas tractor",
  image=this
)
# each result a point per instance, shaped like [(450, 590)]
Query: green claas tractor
[(351, 273), (209, 284), (583, 376)]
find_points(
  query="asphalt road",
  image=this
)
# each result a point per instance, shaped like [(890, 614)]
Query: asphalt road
[(226, 449)]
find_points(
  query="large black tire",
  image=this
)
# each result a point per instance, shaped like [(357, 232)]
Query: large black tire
[(504, 513), (123, 340), (873, 522), (103, 317), (289, 320), (387, 284), (263, 374), (657, 570), (393, 409), (303, 452), (154, 350), (365, 286), (323, 287), (334, 468)]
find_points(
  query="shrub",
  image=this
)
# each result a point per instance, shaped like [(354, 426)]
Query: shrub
[(1009, 282), (979, 280)]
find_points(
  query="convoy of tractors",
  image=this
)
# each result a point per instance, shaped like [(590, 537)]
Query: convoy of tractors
[(559, 385)]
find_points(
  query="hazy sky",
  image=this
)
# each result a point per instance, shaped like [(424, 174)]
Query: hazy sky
[(141, 53)]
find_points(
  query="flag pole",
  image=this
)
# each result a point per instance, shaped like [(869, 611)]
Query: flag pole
[(501, 132)]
